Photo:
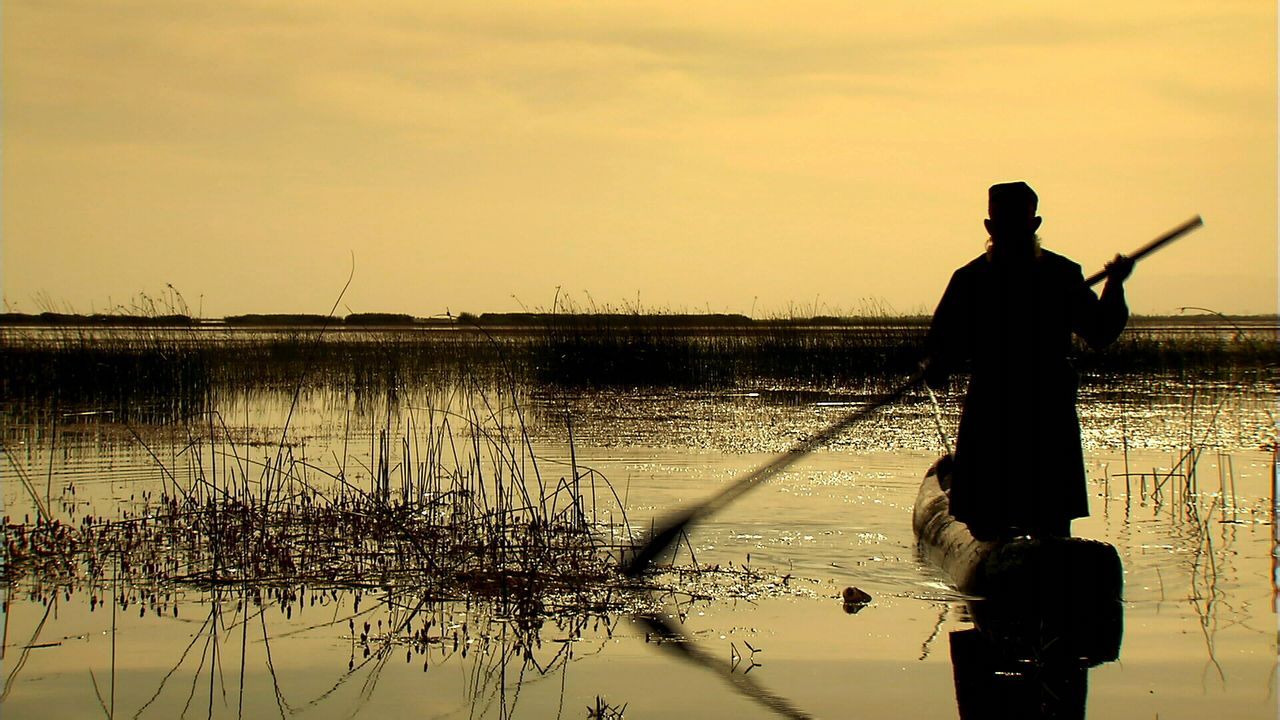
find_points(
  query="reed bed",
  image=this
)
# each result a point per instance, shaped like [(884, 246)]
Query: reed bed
[(1207, 354), (454, 506), (455, 543), (175, 372), (455, 516), (147, 374), (138, 374), (608, 350)]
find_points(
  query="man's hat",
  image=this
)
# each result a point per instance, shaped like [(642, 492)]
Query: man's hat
[(1011, 201)]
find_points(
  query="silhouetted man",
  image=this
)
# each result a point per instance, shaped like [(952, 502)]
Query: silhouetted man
[(1010, 314)]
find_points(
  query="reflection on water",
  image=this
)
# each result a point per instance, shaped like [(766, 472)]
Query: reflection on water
[(990, 685), (1180, 481), (1148, 413), (1034, 640), (225, 655)]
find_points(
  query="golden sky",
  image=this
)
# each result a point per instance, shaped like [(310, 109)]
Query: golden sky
[(728, 156)]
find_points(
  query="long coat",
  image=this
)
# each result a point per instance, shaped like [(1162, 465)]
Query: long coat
[(1018, 461)]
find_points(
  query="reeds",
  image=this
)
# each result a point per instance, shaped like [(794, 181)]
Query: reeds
[(454, 515), (171, 372), (137, 373), (453, 537), (146, 374), (451, 516)]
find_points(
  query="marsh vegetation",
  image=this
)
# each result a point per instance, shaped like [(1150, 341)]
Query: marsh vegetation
[(259, 522)]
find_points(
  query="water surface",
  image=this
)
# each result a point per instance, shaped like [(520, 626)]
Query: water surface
[(1199, 636)]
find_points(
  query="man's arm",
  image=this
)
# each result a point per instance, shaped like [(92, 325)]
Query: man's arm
[(946, 343), (1100, 320)]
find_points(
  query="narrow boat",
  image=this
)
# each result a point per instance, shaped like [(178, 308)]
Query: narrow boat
[(1035, 593)]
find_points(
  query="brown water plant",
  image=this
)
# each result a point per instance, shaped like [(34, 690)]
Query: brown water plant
[(484, 526)]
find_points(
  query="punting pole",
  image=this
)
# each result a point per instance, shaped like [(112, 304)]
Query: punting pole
[(666, 535), (1152, 246)]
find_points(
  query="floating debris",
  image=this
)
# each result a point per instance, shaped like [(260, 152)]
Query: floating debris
[(855, 599)]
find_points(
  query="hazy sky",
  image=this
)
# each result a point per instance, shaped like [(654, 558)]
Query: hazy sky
[(732, 156)]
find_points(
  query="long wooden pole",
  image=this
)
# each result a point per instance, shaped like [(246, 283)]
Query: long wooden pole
[(662, 539), (1152, 246)]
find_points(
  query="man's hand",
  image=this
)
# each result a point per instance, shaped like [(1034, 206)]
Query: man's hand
[(934, 373), (1119, 269)]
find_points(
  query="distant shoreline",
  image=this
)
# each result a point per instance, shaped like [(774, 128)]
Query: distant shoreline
[(381, 321)]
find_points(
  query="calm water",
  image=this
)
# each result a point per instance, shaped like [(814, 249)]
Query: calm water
[(1200, 626)]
